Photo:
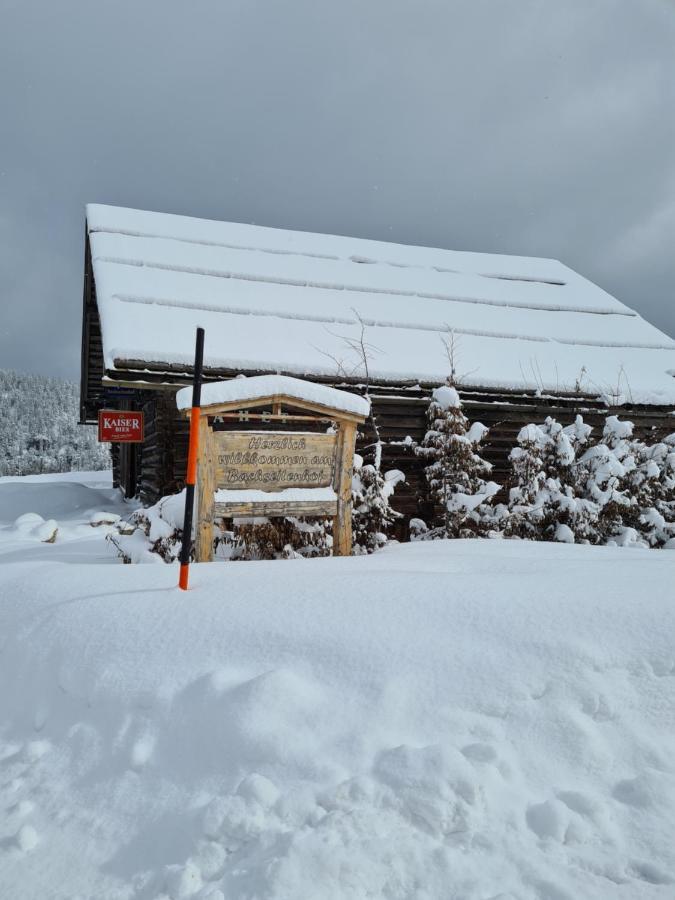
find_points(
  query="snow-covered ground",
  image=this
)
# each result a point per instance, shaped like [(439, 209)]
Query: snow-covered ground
[(34, 507), (466, 719)]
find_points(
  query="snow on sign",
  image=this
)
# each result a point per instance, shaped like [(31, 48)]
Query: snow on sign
[(120, 426)]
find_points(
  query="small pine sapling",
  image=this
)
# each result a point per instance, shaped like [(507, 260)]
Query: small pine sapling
[(652, 483), (455, 471), (604, 475), (372, 514), (528, 477)]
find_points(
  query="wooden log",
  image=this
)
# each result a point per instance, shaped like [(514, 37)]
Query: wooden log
[(325, 509), (342, 524), (205, 495), (269, 417)]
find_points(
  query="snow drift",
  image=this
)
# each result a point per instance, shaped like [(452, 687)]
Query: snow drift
[(465, 719)]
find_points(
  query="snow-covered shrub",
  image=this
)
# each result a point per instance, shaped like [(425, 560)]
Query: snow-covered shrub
[(604, 472), (152, 534), (455, 471), (156, 533), (546, 499), (372, 514), (566, 488), (418, 529), (284, 538), (652, 484)]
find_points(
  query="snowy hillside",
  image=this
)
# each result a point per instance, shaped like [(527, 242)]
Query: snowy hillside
[(453, 719), (39, 429)]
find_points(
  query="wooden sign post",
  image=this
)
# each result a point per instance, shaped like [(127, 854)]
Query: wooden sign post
[(275, 473)]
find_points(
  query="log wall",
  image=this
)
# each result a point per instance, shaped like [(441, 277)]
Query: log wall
[(92, 368), (164, 451)]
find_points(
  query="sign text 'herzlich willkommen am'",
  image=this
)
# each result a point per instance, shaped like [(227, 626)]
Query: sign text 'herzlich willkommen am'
[(273, 460)]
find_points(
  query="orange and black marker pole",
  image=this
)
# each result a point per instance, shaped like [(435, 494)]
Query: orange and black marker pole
[(193, 450)]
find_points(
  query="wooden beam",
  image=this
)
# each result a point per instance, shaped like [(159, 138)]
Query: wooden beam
[(342, 524), (277, 509), (205, 489), (246, 416)]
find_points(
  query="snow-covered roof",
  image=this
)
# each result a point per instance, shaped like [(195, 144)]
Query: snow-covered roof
[(261, 386), (294, 302)]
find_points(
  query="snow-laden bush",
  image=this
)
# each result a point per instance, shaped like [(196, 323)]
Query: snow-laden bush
[(455, 470), (647, 486), (372, 514), (654, 484), (155, 534), (618, 490), (604, 471), (545, 500), (287, 538)]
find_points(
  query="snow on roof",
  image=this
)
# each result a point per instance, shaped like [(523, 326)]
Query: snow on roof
[(261, 386), (294, 302)]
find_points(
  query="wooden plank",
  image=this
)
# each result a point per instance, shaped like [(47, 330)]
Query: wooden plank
[(205, 489), (246, 416), (342, 524), (273, 460), (277, 508)]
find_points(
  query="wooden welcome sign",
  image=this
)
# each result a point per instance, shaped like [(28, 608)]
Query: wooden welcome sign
[(274, 460), (266, 472)]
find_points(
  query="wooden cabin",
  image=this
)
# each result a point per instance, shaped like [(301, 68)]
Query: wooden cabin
[(523, 338)]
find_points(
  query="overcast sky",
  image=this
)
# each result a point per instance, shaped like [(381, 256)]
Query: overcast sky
[(537, 128)]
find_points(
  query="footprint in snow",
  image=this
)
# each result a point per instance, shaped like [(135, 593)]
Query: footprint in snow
[(661, 668), (540, 693), (548, 891), (643, 791), (483, 753), (548, 820), (21, 809), (650, 873), (598, 707), (579, 803)]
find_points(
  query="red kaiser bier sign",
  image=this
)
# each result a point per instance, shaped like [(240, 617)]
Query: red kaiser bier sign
[(118, 426)]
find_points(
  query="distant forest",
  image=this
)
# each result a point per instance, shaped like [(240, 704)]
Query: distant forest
[(39, 429)]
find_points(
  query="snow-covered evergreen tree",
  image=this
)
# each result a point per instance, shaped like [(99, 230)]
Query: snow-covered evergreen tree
[(652, 484), (604, 474), (372, 514), (455, 471), (39, 430), (546, 500), (619, 490)]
